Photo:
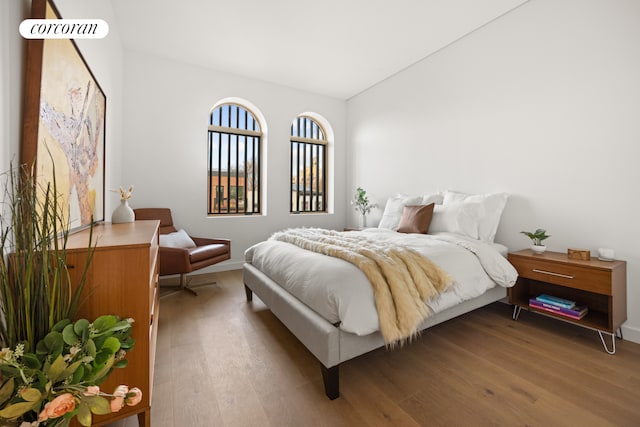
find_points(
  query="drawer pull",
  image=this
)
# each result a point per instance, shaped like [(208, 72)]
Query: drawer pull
[(551, 273)]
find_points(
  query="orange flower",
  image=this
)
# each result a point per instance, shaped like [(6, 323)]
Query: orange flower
[(119, 395), (116, 404), (58, 407), (134, 396)]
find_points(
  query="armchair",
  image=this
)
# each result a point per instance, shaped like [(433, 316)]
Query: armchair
[(181, 253)]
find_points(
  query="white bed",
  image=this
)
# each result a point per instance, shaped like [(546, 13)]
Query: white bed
[(328, 303)]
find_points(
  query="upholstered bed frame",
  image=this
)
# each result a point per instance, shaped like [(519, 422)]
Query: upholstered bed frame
[(328, 343)]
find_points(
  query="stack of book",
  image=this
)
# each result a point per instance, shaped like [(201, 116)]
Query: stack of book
[(560, 306)]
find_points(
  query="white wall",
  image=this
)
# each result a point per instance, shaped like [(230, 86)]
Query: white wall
[(11, 80), (166, 112), (542, 103)]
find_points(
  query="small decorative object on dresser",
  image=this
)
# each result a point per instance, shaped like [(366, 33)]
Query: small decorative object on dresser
[(583, 254), (536, 238), (606, 254), (123, 213), (601, 286)]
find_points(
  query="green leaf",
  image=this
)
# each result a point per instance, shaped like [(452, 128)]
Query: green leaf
[(84, 413), (101, 358), (55, 370), (30, 394), (6, 391), (111, 344), (122, 325), (9, 371), (121, 364), (104, 323), (58, 327), (69, 335), (31, 361), (81, 327), (98, 405), (54, 342), (78, 374), (71, 369), (90, 348), (16, 409), (128, 343), (100, 370)]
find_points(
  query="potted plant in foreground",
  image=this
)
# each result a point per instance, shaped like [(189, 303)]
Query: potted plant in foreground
[(50, 362), (536, 238)]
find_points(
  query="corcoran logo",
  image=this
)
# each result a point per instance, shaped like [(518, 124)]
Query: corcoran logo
[(64, 29)]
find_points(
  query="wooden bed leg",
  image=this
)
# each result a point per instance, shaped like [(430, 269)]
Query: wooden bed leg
[(249, 293), (331, 379)]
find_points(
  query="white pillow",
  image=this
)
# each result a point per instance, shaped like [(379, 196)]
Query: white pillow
[(393, 210), (461, 218), (491, 207), (436, 198), (178, 239)]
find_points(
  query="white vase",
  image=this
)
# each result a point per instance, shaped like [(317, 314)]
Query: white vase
[(363, 221), (123, 213), (538, 249)]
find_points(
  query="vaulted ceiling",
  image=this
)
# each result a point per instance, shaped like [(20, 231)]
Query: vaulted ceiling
[(333, 47)]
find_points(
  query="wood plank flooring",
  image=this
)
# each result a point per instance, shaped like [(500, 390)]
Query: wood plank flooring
[(224, 362)]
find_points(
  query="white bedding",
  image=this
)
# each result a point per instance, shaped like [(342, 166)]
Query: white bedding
[(341, 293)]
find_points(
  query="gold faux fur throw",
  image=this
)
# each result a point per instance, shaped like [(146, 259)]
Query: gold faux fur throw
[(402, 279)]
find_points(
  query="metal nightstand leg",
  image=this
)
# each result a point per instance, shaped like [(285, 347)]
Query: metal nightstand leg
[(614, 335), (516, 312)]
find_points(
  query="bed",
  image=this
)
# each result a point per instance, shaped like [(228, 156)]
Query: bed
[(329, 304)]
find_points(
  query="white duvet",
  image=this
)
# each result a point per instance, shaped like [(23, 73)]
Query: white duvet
[(341, 293)]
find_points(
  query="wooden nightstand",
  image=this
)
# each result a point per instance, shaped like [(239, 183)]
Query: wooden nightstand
[(601, 285)]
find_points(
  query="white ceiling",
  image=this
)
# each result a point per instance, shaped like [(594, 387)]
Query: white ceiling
[(333, 47)]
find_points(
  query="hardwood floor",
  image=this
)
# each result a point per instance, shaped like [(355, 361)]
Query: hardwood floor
[(224, 362)]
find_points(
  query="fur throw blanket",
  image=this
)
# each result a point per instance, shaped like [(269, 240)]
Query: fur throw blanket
[(402, 279)]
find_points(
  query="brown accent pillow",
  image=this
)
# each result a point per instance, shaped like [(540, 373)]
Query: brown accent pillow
[(416, 219)]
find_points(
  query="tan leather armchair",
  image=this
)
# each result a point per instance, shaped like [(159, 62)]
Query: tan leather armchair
[(182, 261)]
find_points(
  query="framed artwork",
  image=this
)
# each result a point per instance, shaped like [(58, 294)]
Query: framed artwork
[(64, 123)]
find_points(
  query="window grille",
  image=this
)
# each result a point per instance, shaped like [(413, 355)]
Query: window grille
[(308, 166), (234, 161)]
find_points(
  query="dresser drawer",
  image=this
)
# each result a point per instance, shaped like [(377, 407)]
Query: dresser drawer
[(564, 274)]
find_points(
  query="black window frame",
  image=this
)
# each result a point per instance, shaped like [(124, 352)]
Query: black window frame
[(308, 192), (234, 139)]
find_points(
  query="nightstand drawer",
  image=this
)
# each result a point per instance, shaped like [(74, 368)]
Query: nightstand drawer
[(564, 274)]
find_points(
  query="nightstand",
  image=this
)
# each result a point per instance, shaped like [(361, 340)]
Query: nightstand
[(601, 285)]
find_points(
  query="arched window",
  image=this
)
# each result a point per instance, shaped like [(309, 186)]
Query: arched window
[(234, 152), (308, 166)]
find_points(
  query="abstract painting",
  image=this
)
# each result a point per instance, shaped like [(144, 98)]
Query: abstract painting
[(65, 111)]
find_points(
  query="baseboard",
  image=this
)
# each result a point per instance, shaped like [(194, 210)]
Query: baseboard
[(224, 266), (631, 334)]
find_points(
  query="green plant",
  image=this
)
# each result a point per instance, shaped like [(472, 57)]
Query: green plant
[(35, 285), (60, 379), (537, 236), (50, 367), (361, 202)]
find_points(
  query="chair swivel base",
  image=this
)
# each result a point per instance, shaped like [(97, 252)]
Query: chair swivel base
[(184, 286)]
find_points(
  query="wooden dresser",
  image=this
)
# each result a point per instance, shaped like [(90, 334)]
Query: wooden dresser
[(123, 280)]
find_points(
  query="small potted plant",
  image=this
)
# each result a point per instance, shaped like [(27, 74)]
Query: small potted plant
[(362, 205), (536, 238)]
